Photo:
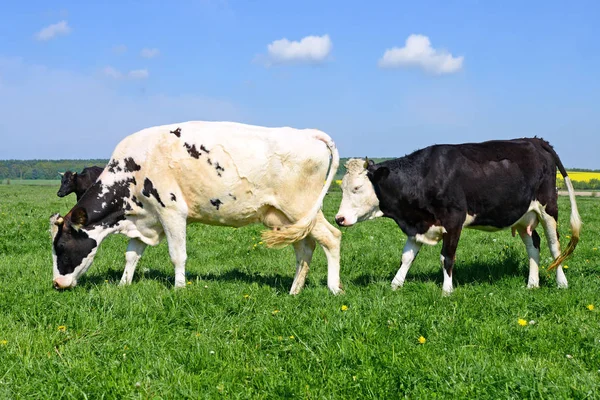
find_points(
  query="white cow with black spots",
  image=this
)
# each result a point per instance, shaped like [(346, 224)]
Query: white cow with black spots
[(216, 173)]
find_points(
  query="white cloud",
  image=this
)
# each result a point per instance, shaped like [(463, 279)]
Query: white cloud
[(112, 72), (74, 115), (149, 53), (138, 74), (310, 49), (133, 74), (417, 52), (119, 49), (51, 31)]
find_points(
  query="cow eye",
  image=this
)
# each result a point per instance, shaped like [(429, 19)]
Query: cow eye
[(356, 189)]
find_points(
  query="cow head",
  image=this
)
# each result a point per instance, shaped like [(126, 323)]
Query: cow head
[(73, 247), (359, 201), (68, 183)]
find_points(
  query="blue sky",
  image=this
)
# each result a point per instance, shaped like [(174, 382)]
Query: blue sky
[(76, 77)]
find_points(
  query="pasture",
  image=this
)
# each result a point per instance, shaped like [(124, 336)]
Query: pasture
[(235, 332)]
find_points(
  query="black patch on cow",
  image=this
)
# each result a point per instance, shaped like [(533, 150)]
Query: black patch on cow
[(209, 161), (173, 198), (216, 202), (137, 202), (232, 196), (536, 239), (204, 149), (218, 168), (71, 247), (176, 132), (150, 190), (113, 166), (192, 151), (131, 165)]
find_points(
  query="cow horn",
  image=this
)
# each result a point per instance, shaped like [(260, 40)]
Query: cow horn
[(61, 173), (366, 162)]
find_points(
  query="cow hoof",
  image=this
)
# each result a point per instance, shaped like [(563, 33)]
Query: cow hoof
[(533, 286), (336, 290), (446, 293), (562, 285)]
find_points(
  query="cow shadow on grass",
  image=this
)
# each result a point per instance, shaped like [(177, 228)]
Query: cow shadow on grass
[(275, 281), (511, 264)]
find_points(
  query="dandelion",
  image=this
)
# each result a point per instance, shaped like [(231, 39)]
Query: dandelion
[(422, 340), (568, 237), (274, 312), (106, 281), (344, 307), (292, 337), (260, 242), (565, 267), (62, 328), (189, 283), (595, 249), (522, 322), (246, 296), (590, 307), (3, 342)]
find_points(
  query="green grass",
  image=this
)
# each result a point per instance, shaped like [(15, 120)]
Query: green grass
[(32, 182), (234, 332)]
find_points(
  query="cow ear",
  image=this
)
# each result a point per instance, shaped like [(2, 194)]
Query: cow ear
[(380, 173), (79, 218)]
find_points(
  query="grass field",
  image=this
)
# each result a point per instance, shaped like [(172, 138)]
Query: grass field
[(234, 332)]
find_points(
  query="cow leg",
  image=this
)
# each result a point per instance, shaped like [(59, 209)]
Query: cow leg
[(549, 224), (448, 257), (135, 249), (409, 253), (532, 244), (329, 238), (304, 252), (174, 225)]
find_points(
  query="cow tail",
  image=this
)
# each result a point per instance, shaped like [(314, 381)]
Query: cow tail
[(575, 218), (286, 235)]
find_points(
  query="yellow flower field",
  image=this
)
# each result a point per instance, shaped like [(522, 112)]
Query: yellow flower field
[(581, 176)]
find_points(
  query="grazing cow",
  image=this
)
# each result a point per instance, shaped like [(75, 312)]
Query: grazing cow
[(216, 173), (434, 193), (78, 183)]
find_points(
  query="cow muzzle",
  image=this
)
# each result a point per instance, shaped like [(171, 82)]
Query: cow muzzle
[(63, 282)]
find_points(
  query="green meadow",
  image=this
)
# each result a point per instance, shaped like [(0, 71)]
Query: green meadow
[(235, 332)]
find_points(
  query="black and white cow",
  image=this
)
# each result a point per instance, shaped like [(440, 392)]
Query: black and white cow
[(217, 173), (433, 193), (73, 182)]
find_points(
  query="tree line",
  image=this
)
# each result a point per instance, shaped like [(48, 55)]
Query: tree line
[(49, 169), (43, 169)]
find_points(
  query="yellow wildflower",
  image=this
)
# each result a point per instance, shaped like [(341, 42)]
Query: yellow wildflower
[(260, 242), (292, 337), (246, 296), (565, 267), (522, 322), (590, 307), (189, 283), (274, 312), (3, 342), (344, 307), (62, 328), (422, 340)]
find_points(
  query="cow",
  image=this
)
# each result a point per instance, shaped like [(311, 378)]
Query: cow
[(436, 192), (73, 182), (218, 173)]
